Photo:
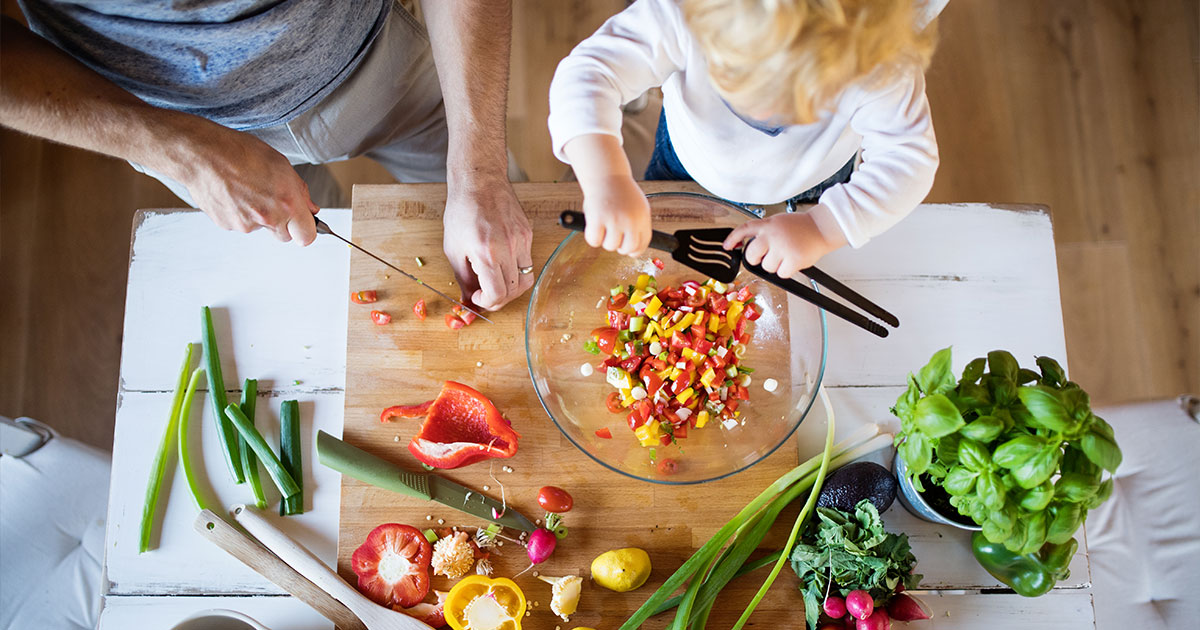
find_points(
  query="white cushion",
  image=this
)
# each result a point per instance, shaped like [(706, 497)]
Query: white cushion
[(52, 509), (1144, 542)]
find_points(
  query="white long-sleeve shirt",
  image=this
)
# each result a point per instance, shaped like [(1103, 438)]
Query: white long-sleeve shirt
[(648, 45)]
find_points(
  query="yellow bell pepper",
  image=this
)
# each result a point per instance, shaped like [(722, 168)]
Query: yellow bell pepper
[(648, 433), (688, 353), (708, 377), (653, 307), (685, 395), (478, 602), (702, 418), (643, 281), (638, 296), (714, 323), (734, 312)]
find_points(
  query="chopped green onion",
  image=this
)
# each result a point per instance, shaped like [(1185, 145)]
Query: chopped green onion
[(185, 458), (592, 347), (290, 455), (615, 290), (249, 461), (216, 392), (430, 535), (745, 370), (653, 453), (427, 466), (150, 507), (283, 480), (637, 324), (624, 336)]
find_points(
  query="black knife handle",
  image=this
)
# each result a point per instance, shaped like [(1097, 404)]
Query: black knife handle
[(573, 220)]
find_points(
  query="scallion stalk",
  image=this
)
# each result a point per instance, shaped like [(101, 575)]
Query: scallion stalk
[(159, 467), (290, 455), (283, 480), (249, 461), (216, 392), (185, 458)]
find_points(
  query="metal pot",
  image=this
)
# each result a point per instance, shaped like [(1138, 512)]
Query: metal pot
[(916, 504)]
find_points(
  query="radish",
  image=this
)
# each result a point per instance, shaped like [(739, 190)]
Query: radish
[(877, 620), (835, 607), (541, 545), (859, 604), (907, 608)]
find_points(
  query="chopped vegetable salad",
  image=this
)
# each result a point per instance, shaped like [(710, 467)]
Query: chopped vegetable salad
[(674, 355)]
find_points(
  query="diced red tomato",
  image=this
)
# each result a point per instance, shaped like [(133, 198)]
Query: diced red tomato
[(364, 297), (717, 303), (743, 393), (618, 302), (613, 402), (658, 263), (702, 346), (679, 342), (694, 300), (744, 294), (631, 364), (731, 405), (606, 339), (740, 328), (613, 361), (753, 312), (618, 320), (453, 322), (698, 333), (419, 309), (653, 383), (604, 433), (681, 431), (467, 317), (380, 318)]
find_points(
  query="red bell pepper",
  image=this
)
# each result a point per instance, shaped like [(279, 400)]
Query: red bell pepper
[(461, 427)]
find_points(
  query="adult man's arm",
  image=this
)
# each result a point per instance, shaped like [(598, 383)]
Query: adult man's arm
[(487, 237), (236, 179)]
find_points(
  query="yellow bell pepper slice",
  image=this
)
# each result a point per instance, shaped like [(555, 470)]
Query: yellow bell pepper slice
[(734, 313), (653, 307), (643, 281), (714, 323), (685, 395), (708, 377), (479, 602), (702, 418)]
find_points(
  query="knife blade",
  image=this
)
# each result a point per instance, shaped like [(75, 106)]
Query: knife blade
[(363, 466), (323, 228)]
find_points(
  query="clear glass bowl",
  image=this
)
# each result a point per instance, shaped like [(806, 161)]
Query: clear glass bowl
[(788, 344)]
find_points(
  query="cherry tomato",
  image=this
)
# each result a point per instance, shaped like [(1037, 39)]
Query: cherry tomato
[(631, 364), (744, 294), (453, 322), (694, 300), (658, 263), (604, 433), (618, 302), (364, 297), (419, 309), (613, 402), (752, 312), (467, 317), (618, 320), (606, 339), (668, 466), (380, 318), (717, 303), (653, 383), (555, 499)]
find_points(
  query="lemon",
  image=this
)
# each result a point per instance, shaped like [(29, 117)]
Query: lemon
[(621, 570)]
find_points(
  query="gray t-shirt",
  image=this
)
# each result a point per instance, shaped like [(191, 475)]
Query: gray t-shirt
[(242, 63)]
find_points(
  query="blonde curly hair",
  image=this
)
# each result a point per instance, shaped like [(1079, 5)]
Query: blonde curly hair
[(789, 59)]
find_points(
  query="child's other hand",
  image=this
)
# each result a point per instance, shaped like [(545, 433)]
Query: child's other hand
[(618, 216), (782, 244)]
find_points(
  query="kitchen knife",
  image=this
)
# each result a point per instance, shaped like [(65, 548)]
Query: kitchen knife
[(323, 228), (365, 467)]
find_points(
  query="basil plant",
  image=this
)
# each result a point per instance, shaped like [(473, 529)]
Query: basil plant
[(1019, 452)]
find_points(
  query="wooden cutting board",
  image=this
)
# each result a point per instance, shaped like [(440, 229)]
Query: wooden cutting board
[(407, 361)]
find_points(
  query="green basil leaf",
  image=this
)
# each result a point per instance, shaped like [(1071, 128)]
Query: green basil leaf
[(1075, 488), (971, 396), (1102, 495), (1076, 401), (1102, 450), (1020, 530), (990, 491), (983, 429), (936, 377), (1017, 451), (959, 481), (1102, 428), (973, 455), (973, 371), (907, 401), (1047, 409), (1067, 519), (937, 416), (1037, 469), (1075, 461), (1003, 391), (1027, 376), (1052, 372), (917, 453), (1036, 525), (1001, 363), (1038, 498), (947, 449)]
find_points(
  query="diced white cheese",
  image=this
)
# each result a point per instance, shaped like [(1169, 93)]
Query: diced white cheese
[(586, 369), (770, 384)]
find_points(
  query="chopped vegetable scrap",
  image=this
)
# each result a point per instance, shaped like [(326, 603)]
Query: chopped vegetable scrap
[(453, 556), (674, 355), (364, 297), (392, 565), (461, 427), (604, 433), (380, 318), (564, 594), (432, 615), (482, 603)]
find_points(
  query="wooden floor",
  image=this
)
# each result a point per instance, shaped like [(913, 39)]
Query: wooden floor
[(1091, 107)]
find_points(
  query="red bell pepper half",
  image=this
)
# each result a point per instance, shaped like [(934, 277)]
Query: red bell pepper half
[(461, 427), (404, 554)]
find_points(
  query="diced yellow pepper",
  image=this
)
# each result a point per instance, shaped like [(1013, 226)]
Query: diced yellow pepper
[(685, 395), (702, 417), (699, 317), (698, 358), (647, 434), (626, 397), (688, 352), (638, 296), (648, 334), (653, 307), (708, 377), (643, 281), (675, 372), (734, 312), (714, 323)]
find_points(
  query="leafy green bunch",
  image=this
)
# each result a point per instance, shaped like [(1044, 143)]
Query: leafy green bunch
[(996, 440), (846, 552)]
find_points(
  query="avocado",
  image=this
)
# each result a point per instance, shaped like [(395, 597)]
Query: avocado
[(852, 483)]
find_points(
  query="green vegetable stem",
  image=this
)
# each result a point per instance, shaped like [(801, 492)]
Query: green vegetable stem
[(249, 461), (283, 480), (1030, 574), (216, 392), (290, 455), (185, 457), (159, 467)]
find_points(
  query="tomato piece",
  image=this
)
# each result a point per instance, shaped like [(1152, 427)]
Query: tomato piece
[(665, 439), (618, 320), (679, 342), (467, 317), (744, 294), (702, 345), (612, 361), (631, 364), (731, 405), (606, 339), (380, 318), (653, 383), (419, 309), (634, 420), (453, 322), (698, 332), (740, 328), (717, 303), (604, 433), (694, 300), (618, 302), (743, 393), (555, 499), (404, 554), (753, 312), (364, 297), (613, 402), (658, 263), (681, 431), (681, 383)]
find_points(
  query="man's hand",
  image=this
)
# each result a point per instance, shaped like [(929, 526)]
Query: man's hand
[(487, 239), (243, 184), (783, 244), (618, 216)]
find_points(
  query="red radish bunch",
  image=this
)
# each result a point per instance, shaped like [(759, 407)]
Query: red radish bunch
[(858, 612)]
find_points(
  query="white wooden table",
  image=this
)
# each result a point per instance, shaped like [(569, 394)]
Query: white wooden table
[(974, 276)]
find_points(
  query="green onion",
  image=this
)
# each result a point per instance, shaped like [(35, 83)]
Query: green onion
[(216, 392), (249, 461), (150, 507), (745, 370), (592, 347), (283, 480), (615, 290), (430, 535), (185, 459), (290, 455)]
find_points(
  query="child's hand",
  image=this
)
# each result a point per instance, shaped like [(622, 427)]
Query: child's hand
[(782, 244), (618, 216)]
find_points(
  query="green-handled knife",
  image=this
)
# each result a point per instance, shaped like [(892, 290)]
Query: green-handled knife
[(365, 467)]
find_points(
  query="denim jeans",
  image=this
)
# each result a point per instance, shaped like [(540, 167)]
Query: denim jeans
[(665, 166)]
